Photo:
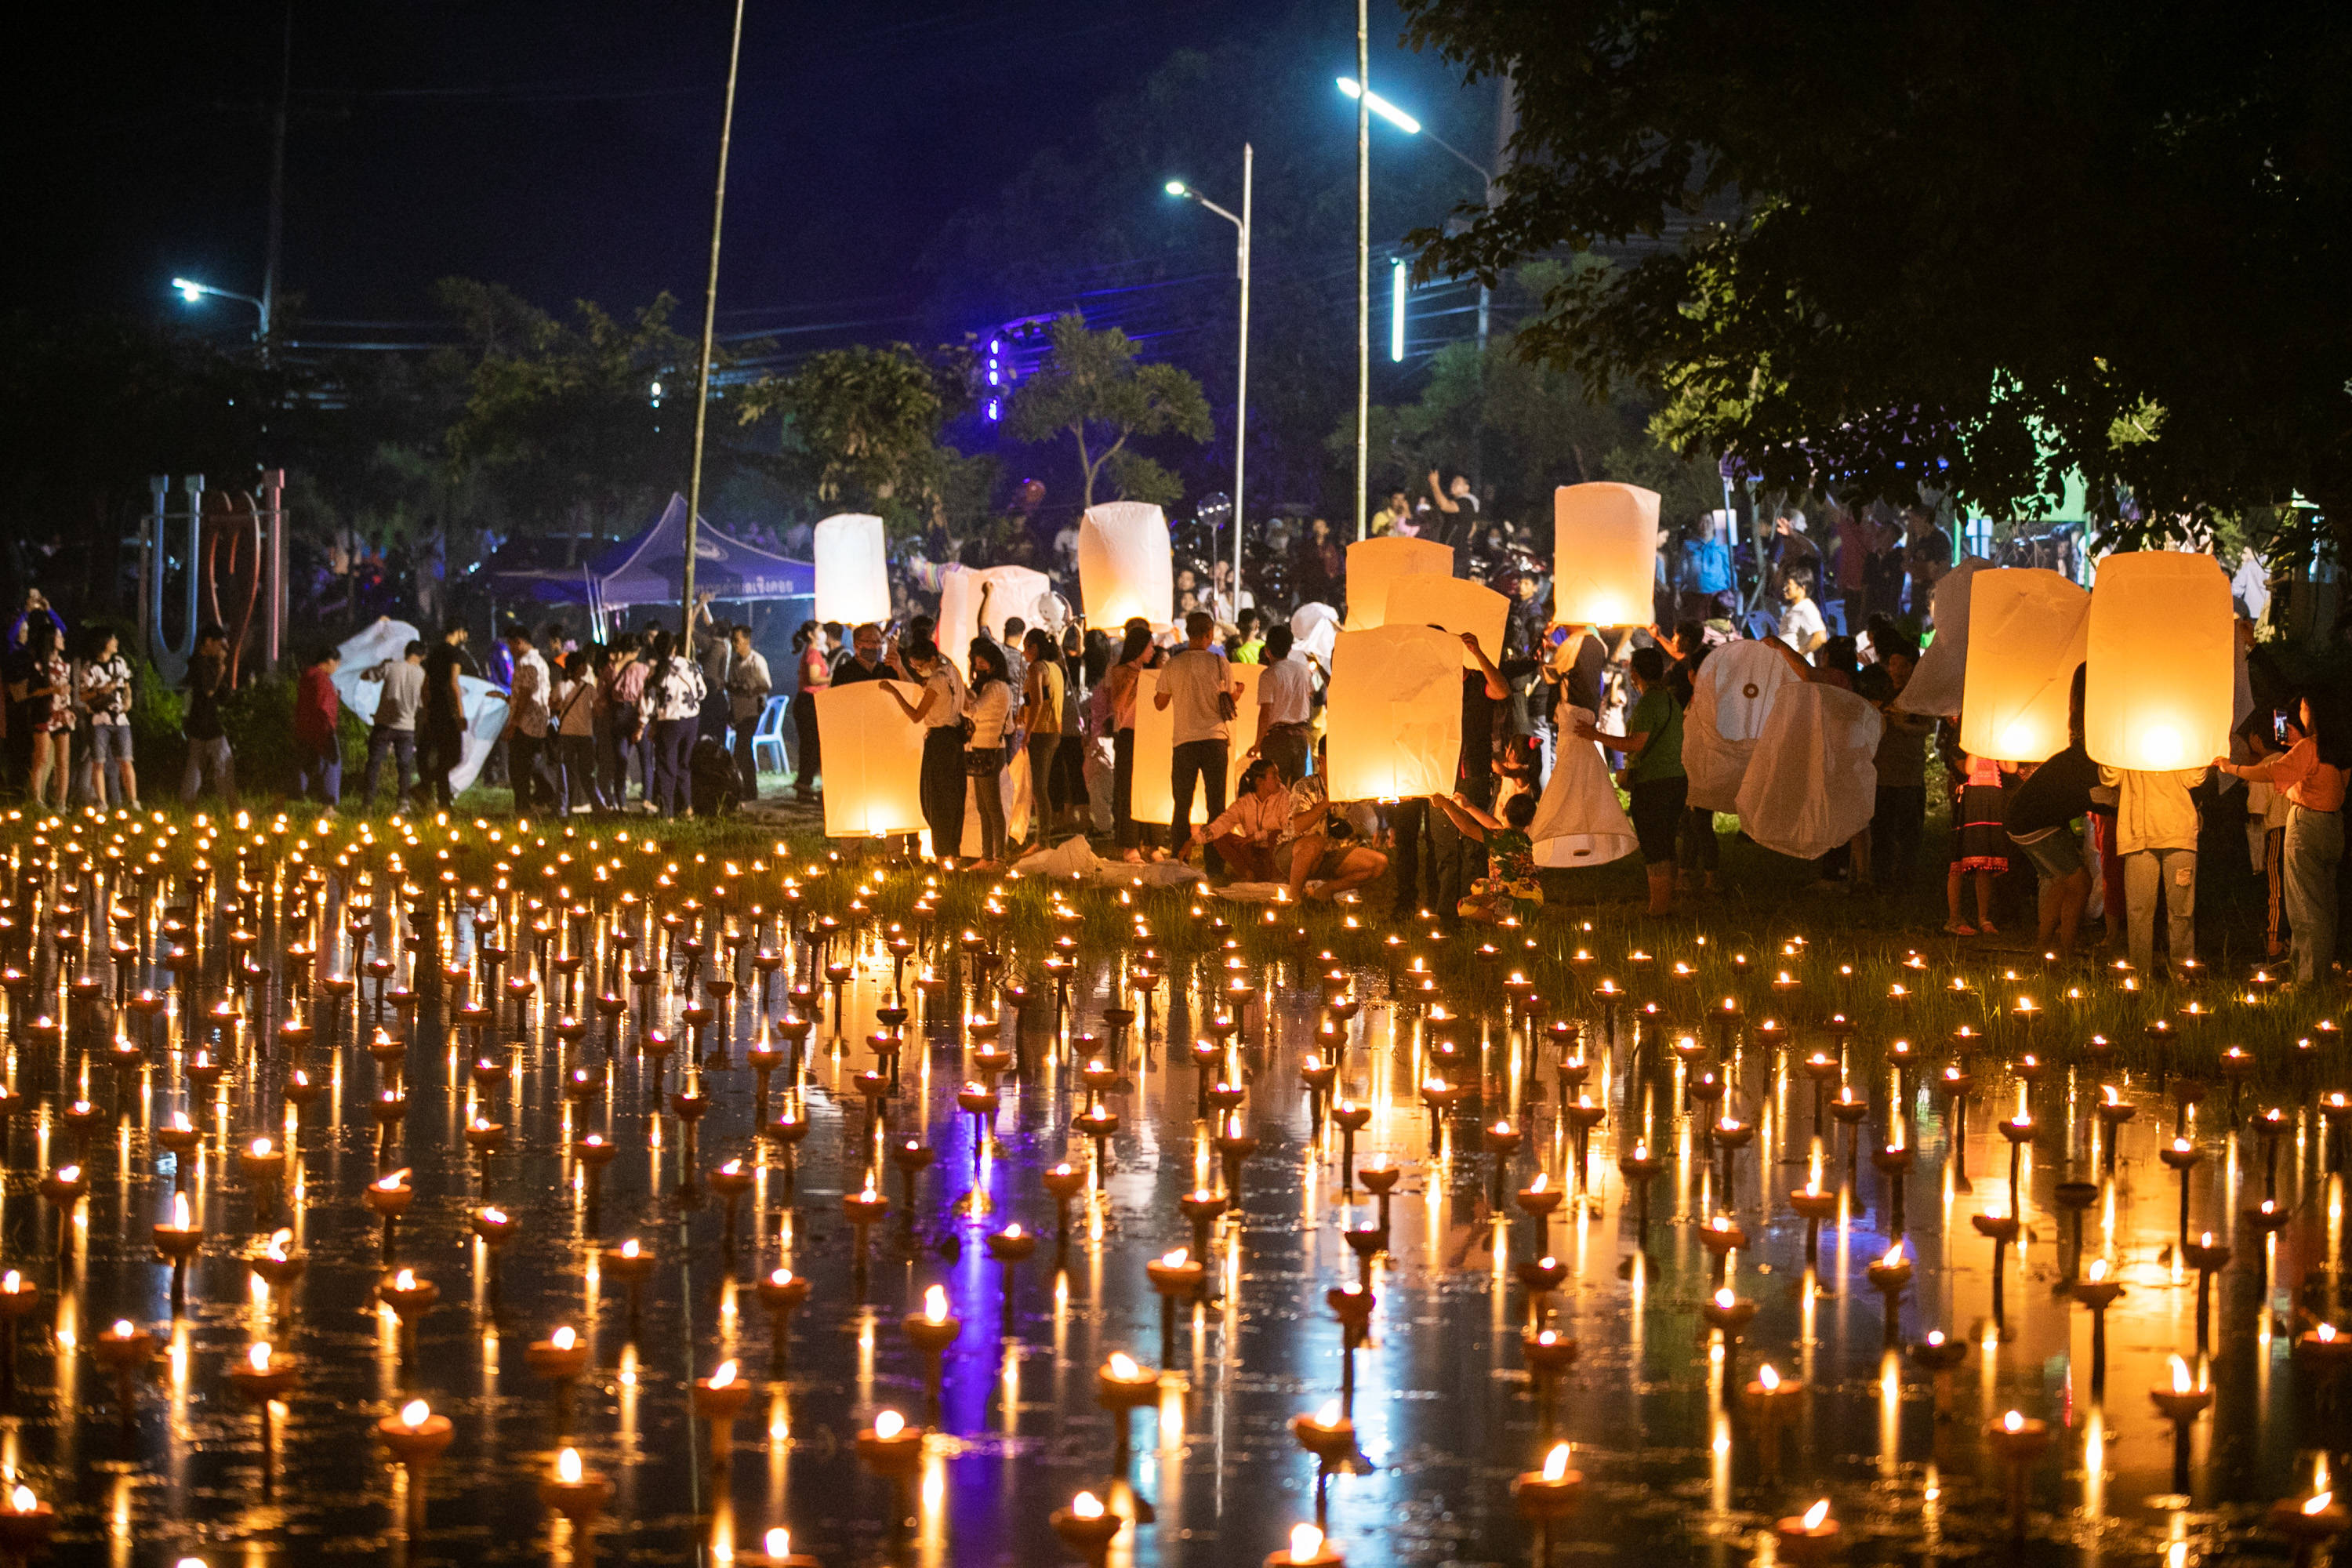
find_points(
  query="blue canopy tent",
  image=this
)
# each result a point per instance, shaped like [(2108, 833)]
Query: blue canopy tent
[(650, 569)]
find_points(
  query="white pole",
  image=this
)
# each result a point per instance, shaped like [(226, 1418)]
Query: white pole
[(709, 318), (1363, 262), (1241, 393)]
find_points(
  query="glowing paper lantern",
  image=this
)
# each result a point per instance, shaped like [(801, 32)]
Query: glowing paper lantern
[(2160, 647), (1374, 564), (1127, 566), (873, 759), (1454, 605), (1011, 591), (2028, 629), (1605, 554), (1393, 723), (1153, 798), (853, 578)]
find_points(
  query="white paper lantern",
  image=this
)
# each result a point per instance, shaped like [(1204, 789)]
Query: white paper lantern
[(1153, 797), (853, 575), (873, 759), (1011, 591), (1127, 566), (1373, 564), (1393, 723), (2028, 629), (1940, 680), (1605, 554), (1454, 605), (2160, 649)]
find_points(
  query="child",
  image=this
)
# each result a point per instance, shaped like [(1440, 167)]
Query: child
[(1509, 888), (1979, 843)]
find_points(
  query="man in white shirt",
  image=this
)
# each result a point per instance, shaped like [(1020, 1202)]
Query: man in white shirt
[(1285, 707), (395, 729), (1801, 624), (1198, 688), (525, 731), (747, 694)]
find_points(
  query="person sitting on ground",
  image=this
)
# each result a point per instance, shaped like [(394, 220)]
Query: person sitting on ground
[(1245, 833), (1326, 846), (1509, 888)]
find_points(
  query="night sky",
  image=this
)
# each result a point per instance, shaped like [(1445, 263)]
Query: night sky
[(566, 151)]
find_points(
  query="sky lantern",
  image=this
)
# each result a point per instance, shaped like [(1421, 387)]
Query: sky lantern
[(873, 759), (1154, 799), (2030, 626), (2161, 646), (1731, 698), (1127, 565), (853, 576), (1393, 721), (1605, 554), (1453, 605), (1374, 564), (1011, 591)]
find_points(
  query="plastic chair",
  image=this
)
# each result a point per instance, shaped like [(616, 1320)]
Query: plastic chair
[(770, 734)]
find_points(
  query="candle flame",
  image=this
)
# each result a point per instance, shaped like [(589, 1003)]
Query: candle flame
[(262, 1148), (180, 1211), (393, 1181), (122, 1329), (415, 1413), (2098, 1270), (1330, 1415), (935, 1304), (1542, 1181), (280, 1241), (564, 1338), (2180, 1384), (70, 1173), (1724, 1298), (1815, 1515), (2012, 1422), (2324, 1333), (1178, 1259), (1894, 1258), (889, 1424), (779, 1543), (257, 1355), (723, 1375), (1123, 1367), (1555, 1464), (1086, 1505), (22, 1500), (629, 1248), (1305, 1543), (2318, 1501), (781, 1277), (1767, 1378)]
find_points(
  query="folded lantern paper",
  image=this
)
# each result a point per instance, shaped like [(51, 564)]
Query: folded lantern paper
[(1813, 781), (873, 759), (1605, 554), (1127, 566), (1452, 605), (1374, 564), (1580, 821), (1936, 685), (2161, 649), (1011, 591), (1153, 797), (852, 574), (1393, 721), (2027, 631), (1731, 698)]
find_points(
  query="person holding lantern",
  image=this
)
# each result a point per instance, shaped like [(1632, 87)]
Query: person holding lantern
[(1197, 688), (2311, 773), (2156, 835), (943, 711)]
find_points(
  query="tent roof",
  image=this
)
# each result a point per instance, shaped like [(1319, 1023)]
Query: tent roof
[(650, 569)]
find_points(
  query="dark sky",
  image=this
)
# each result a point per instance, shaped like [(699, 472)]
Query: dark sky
[(566, 150)]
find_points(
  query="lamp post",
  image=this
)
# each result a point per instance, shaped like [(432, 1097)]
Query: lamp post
[(191, 292), (1405, 122), (1364, 266), (1241, 380)]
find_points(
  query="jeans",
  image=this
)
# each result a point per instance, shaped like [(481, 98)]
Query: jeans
[(209, 760), (576, 775), (525, 757), (402, 744), (1045, 796), (1897, 821), (1122, 790), (811, 761), (747, 768), (1205, 760), (2315, 844), (1099, 780), (321, 764), (942, 789), (2171, 874), (110, 744), (988, 795), (667, 784)]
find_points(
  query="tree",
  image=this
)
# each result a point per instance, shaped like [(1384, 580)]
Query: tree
[(1976, 245), (865, 424), (1092, 389)]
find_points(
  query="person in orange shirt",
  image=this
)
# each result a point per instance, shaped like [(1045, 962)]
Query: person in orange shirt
[(2311, 773)]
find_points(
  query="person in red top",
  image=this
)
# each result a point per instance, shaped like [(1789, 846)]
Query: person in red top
[(318, 754)]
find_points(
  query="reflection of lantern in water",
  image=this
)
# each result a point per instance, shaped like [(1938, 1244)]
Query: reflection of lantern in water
[(1394, 716), (2162, 685), (1605, 554), (2027, 629)]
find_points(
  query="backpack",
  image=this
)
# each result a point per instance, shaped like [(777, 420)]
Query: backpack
[(711, 782)]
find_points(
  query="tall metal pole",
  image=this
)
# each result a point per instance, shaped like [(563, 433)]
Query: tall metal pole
[(276, 187), (1241, 392), (1363, 262), (710, 321)]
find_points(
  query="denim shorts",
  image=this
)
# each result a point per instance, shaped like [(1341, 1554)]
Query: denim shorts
[(2057, 852)]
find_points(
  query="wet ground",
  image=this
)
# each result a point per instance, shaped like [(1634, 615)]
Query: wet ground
[(1444, 1410)]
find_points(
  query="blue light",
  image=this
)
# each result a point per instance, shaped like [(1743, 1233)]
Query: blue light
[(992, 377), (995, 346), (992, 408)]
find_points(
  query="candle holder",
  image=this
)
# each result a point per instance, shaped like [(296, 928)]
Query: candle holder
[(1350, 1119), (1088, 1529), (19, 1298), (1330, 1436), (1639, 1169), (1062, 1182), (580, 1495), (558, 1359), (717, 1400), (1772, 1400), (176, 1241), (1546, 1498), (2018, 1441), (1548, 1354), (1176, 1277), (864, 1209), (782, 1293), (26, 1524), (388, 1198), (1540, 1277), (932, 1331), (2182, 1403), (2001, 1230), (1381, 1181), (1352, 1305), (2097, 1292), (2208, 1258), (1808, 1538), (416, 1438), (259, 1379), (632, 1264), (1891, 1276), (1721, 1236), (730, 1181)]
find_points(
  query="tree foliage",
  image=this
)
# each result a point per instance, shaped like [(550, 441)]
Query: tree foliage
[(1092, 390), (1978, 245), (863, 426)]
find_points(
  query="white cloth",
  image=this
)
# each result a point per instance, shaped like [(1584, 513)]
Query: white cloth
[(1731, 698), (1580, 821), (1937, 685), (1813, 784), (1314, 627)]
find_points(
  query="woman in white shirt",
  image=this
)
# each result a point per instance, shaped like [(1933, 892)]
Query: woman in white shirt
[(990, 708), (942, 710)]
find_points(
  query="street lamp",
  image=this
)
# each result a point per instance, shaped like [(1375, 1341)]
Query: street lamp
[(1241, 223), (1411, 127), (192, 292)]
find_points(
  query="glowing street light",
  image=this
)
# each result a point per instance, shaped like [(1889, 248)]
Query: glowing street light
[(1396, 309), (194, 293), (1381, 107), (1241, 222), (1411, 127)]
